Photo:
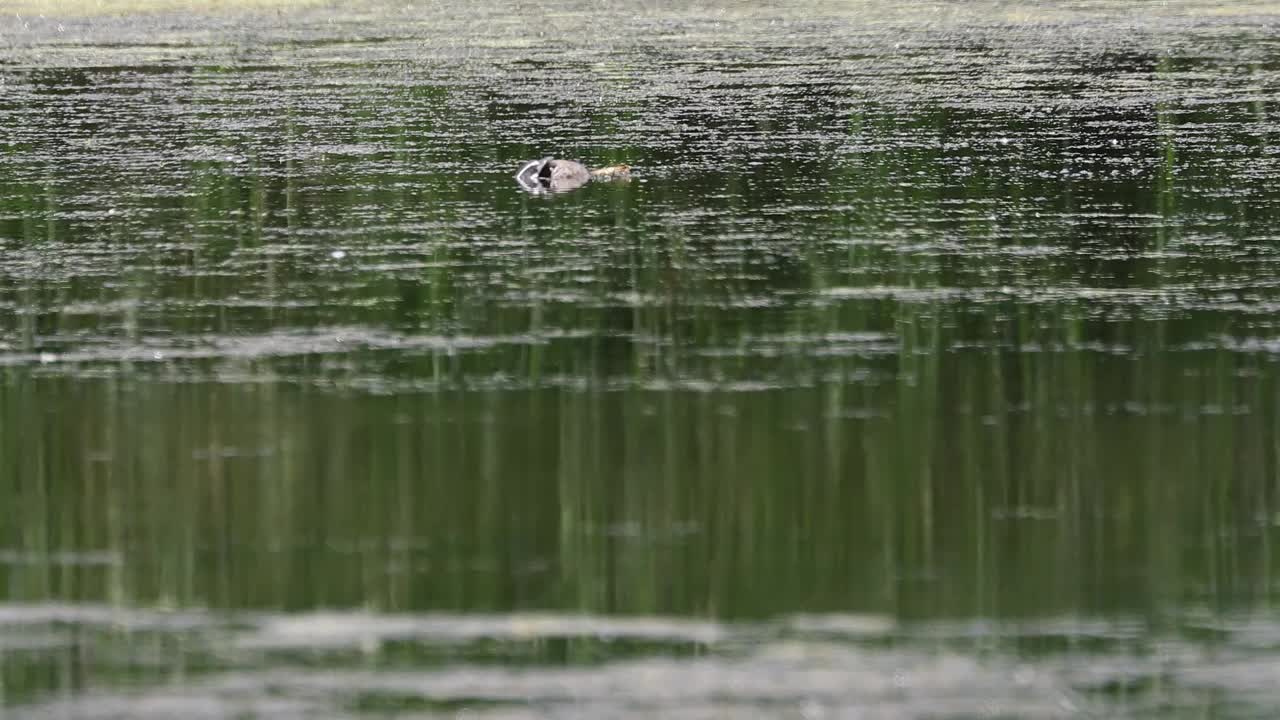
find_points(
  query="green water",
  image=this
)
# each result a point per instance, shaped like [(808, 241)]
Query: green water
[(926, 367)]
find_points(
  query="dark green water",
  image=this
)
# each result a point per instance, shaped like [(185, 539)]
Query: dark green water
[(927, 367)]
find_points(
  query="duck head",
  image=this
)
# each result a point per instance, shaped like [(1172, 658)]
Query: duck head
[(552, 175)]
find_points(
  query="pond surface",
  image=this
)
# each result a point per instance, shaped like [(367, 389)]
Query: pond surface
[(926, 367)]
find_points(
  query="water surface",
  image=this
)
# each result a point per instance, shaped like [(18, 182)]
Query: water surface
[(925, 369)]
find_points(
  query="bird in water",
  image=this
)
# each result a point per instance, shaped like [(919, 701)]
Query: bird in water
[(553, 175)]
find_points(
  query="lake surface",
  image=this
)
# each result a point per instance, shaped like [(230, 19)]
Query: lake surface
[(926, 368)]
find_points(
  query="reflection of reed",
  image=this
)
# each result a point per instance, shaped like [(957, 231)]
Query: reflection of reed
[(938, 482)]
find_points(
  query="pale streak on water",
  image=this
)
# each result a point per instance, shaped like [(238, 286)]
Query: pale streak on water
[(327, 664)]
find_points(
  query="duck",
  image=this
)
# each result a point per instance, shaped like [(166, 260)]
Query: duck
[(554, 175)]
